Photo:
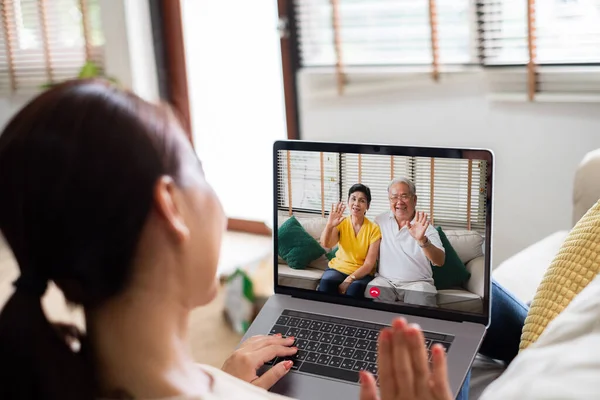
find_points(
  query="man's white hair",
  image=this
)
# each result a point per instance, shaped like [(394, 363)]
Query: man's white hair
[(402, 179)]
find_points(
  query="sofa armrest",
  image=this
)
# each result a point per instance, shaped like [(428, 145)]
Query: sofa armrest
[(477, 269)]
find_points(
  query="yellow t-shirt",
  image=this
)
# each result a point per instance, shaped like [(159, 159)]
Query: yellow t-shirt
[(353, 249)]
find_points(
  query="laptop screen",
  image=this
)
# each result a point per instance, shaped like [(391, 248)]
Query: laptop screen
[(388, 227)]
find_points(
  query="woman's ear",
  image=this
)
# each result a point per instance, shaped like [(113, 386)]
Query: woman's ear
[(167, 201)]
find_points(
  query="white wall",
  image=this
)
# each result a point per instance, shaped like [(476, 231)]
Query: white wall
[(537, 146)]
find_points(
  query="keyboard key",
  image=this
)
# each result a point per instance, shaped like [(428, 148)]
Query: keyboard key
[(303, 334), (282, 320), (324, 348), (279, 329), (293, 332), (324, 359), (427, 343), (372, 346), (315, 336), (312, 346), (347, 352), (350, 342), (361, 333), (373, 335), (301, 344), (304, 323), (359, 355), (316, 325), (336, 362), (372, 368), (362, 344), (327, 327), (329, 372), (301, 355), (312, 357), (371, 357), (347, 363), (293, 322), (338, 329), (349, 331), (336, 350), (445, 344), (359, 366), (271, 362), (296, 365), (338, 340), (327, 337)]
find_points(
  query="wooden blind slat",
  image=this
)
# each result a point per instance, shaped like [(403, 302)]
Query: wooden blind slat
[(531, 44), (360, 168), (392, 167), (433, 25), (469, 187), (42, 9), (8, 14), (86, 29), (431, 197), (339, 69), (322, 185)]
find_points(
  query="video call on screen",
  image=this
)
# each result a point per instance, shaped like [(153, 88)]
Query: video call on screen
[(383, 248)]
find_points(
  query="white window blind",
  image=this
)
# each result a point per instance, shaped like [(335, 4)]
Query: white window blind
[(383, 32), (458, 195), (566, 46), (46, 41), (376, 172), (313, 188), (458, 185)]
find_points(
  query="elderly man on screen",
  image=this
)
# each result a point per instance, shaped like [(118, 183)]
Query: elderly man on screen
[(409, 246)]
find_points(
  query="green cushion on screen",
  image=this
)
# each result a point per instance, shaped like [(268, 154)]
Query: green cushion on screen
[(331, 254), (296, 246), (453, 273)]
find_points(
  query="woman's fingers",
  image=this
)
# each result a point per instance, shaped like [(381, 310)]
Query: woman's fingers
[(402, 365), (385, 362), (368, 386), (273, 375), (265, 341), (268, 353), (418, 356), (440, 386)]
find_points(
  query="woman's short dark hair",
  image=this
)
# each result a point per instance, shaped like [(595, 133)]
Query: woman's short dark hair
[(359, 187), (78, 166)]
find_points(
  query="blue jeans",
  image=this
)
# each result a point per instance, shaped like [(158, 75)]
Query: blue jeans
[(502, 338), (332, 279)]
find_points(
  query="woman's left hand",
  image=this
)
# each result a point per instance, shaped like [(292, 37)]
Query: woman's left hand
[(344, 286), (254, 353)]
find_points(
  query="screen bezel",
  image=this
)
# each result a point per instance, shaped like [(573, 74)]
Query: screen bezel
[(392, 150)]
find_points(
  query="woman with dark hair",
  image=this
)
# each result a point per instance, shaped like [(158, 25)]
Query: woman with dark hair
[(352, 267)]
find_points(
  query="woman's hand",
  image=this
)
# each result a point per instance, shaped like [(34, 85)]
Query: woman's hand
[(404, 373), (345, 285), (336, 216), (256, 351)]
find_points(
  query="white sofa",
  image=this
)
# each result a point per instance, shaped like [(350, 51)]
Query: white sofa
[(468, 246), (522, 273)]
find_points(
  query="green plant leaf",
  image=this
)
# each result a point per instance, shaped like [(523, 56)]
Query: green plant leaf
[(89, 70)]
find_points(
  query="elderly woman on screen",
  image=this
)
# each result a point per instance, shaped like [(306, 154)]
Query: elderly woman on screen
[(358, 239)]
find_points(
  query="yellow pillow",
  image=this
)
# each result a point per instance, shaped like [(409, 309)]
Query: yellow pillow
[(576, 264)]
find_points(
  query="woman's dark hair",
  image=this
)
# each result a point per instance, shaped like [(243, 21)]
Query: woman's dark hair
[(78, 165), (359, 187)]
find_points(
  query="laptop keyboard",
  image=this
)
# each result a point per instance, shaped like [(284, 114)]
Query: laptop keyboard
[(336, 347)]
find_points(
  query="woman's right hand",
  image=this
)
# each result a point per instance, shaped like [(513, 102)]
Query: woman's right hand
[(336, 216), (404, 373), (254, 353)]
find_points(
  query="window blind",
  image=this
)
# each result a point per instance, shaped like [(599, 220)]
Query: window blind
[(457, 185), (565, 36), (306, 184), (376, 172), (383, 32), (46, 41)]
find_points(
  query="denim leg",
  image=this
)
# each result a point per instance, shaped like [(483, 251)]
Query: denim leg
[(331, 280), (503, 336), (464, 390), (357, 288)]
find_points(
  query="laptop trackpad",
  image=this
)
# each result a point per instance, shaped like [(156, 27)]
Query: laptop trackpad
[(301, 386)]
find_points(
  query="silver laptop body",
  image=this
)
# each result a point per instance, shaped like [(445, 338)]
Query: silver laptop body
[(459, 319)]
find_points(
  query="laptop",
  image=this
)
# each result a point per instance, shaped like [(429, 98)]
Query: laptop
[(337, 333)]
